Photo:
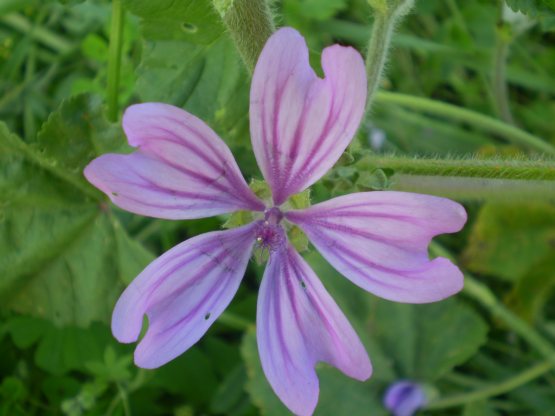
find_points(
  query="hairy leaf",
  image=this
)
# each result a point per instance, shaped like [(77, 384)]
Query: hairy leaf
[(64, 255)]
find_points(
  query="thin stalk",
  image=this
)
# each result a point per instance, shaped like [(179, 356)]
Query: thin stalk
[(114, 58), (38, 33), (386, 18), (500, 54), (250, 24), (489, 124), (29, 125), (494, 389)]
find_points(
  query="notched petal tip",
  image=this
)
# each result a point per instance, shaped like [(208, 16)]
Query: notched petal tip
[(128, 316), (182, 292), (94, 171), (379, 240), (300, 123), (299, 325), (449, 281)]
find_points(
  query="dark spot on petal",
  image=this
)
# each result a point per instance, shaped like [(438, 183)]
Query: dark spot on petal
[(207, 316), (303, 284), (115, 194)]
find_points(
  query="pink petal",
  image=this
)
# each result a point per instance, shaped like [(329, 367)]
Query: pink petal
[(379, 240), (182, 292), (301, 124), (299, 324), (181, 170)]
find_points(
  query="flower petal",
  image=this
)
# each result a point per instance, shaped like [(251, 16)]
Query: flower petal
[(301, 124), (299, 324), (379, 241), (182, 292), (181, 170)]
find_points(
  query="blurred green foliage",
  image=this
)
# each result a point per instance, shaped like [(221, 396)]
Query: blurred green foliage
[(66, 254)]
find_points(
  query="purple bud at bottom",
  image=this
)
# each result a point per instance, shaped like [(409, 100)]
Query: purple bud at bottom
[(404, 398)]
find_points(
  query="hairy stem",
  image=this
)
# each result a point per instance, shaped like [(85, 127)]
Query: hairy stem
[(114, 59), (376, 57), (250, 24), (489, 124), (521, 169), (386, 17)]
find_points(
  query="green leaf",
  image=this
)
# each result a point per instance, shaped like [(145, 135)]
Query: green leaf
[(203, 81), (64, 349), (481, 407), (60, 350), (533, 8), (534, 290), (186, 62), (432, 344), (315, 9), (230, 392), (76, 133), (26, 331), (189, 20), (508, 240), (64, 255), (191, 374)]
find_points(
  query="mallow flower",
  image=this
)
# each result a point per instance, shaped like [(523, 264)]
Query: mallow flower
[(300, 125)]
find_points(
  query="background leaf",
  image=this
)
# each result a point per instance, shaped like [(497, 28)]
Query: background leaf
[(64, 254)]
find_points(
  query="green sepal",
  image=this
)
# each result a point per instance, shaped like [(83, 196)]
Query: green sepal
[(260, 254), (300, 200), (238, 219), (261, 189), (298, 239), (374, 180)]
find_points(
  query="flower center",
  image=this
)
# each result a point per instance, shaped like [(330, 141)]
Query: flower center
[(269, 234)]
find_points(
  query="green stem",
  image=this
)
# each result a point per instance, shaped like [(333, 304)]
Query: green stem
[(501, 52), (376, 58), (38, 33), (29, 125), (510, 133), (386, 18), (479, 189), (494, 389), (114, 59), (250, 24), (521, 169)]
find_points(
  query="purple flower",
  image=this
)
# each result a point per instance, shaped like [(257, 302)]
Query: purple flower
[(404, 398), (300, 126)]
